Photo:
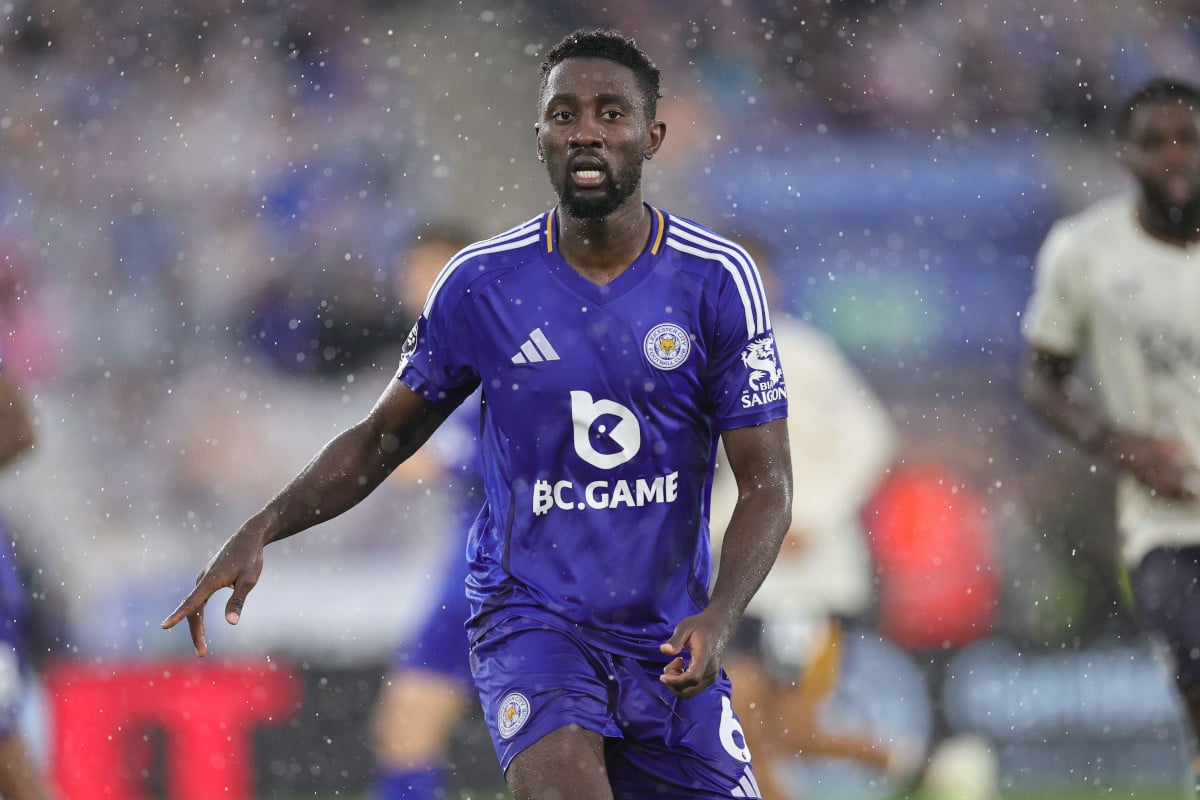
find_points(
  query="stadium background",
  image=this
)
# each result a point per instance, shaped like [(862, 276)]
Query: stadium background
[(201, 204)]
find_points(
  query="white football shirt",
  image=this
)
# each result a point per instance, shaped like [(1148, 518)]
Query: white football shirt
[(1130, 303)]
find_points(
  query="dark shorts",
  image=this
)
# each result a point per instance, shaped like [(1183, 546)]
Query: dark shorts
[(533, 680), (441, 645), (1166, 591)]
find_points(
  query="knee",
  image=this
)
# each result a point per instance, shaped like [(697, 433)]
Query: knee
[(414, 717)]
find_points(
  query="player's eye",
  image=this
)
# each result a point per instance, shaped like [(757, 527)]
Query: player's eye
[(611, 114), (561, 116)]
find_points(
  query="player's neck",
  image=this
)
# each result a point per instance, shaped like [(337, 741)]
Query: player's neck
[(1174, 226), (602, 249)]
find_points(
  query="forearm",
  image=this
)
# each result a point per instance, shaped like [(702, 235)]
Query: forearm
[(347, 469), (16, 427), (756, 530), (14, 441), (1065, 408)]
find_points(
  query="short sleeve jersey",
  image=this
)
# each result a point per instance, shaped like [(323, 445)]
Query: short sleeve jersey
[(1125, 301), (602, 409)]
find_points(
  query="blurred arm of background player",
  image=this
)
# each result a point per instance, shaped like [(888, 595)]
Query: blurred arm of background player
[(16, 426), (1052, 390), (842, 444), (19, 777)]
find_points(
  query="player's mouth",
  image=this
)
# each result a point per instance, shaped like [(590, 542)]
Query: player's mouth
[(587, 178), (588, 173), (1179, 190)]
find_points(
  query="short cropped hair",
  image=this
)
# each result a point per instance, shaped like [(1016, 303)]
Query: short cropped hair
[(615, 47), (1156, 90)]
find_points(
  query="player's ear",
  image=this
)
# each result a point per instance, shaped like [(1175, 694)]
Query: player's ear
[(655, 133)]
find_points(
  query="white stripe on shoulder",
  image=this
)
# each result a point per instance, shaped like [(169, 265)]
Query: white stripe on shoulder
[(520, 236), (753, 328), (737, 260)]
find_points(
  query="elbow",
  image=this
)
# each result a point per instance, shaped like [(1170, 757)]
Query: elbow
[(787, 500), (1029, 384), (782, 498), (1034, 390)]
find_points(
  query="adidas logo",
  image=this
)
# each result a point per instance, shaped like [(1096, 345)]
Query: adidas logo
[(536, 348), (748, 786)]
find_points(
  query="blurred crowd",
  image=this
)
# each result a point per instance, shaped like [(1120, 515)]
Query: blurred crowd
[(202, 202)]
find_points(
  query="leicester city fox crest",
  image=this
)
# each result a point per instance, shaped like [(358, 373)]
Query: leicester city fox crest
[(667, 346), (511, 714)]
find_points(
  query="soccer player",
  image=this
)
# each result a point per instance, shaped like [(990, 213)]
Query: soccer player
[(1117, 288), (428, 689), (616, 346), (19, 777)]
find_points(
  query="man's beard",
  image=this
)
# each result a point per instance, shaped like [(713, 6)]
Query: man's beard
[(597, 207), (1181, 221)]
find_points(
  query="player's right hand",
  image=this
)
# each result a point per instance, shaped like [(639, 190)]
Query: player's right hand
[(238, 565)]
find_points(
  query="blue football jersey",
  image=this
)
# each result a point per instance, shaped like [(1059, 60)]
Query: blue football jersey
[(602, 408)]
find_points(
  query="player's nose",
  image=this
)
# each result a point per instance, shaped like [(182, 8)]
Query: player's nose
[(586, 133)]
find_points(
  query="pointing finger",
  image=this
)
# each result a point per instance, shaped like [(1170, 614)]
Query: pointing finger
[(196, 625), (195, 600)]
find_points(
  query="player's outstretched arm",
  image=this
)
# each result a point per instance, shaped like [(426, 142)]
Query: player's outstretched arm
[(1161, 464), (342, 474), (16, 426), (761, 463)]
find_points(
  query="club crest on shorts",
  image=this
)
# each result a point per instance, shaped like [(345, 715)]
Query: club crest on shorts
[(667, 345), (512, 713)]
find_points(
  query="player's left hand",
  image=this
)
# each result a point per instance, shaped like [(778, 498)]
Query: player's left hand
[(237, 565), (704, 636)]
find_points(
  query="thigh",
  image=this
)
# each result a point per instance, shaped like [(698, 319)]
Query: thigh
[(534, 681), (677, 749), (565, 764), (1166, 589)]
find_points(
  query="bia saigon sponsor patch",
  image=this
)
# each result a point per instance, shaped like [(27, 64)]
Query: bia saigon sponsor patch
[(765, 380)]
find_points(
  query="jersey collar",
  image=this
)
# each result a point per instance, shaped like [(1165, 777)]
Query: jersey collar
[(623, 282)]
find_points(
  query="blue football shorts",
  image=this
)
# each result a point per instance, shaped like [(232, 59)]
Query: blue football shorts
[(1166, 591), (533, 680), (441, 645)]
